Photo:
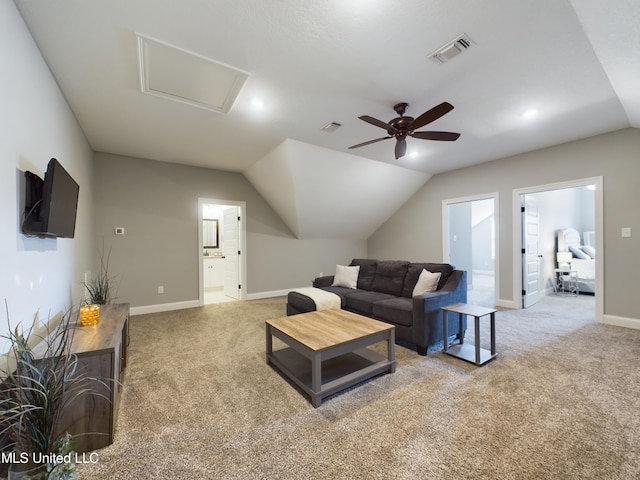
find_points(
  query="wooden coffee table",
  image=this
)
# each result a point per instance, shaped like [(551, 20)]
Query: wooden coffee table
[(326, 350)]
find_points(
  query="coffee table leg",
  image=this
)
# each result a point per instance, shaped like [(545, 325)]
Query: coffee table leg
[(316, 380), (269, 346), (460, 329), (391, 350)]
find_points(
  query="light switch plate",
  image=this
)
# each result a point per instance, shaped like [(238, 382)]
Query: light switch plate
[(626, 232)]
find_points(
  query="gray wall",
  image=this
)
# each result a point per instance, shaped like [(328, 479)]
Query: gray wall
[(614, 156), (157, 204)]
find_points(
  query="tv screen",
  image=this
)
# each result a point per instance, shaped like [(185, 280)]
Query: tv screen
[(57, 206)]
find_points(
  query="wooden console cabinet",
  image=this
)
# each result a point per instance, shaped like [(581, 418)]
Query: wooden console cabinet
[(102, 350)]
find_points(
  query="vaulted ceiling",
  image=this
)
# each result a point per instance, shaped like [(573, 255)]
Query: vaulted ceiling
[(538, 73)]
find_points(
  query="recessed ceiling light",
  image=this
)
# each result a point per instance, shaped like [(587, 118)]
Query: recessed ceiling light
[(532, 112), (257, 103)]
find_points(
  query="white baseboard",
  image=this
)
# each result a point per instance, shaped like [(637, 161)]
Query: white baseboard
[(164, 307), (507, 304), (621, 321)]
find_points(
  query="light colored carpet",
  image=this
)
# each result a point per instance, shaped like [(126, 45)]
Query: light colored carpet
[(561, 401)]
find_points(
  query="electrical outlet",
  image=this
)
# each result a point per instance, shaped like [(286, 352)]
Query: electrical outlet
[(160, 289), (626, 232)]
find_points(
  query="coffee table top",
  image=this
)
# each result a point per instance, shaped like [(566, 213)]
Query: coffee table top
[(324, 329)]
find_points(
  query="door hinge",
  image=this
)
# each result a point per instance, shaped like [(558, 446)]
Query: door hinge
[(524, 251), (239, 287), (524, 292), (522, 209), (239, 252), (238, 217)]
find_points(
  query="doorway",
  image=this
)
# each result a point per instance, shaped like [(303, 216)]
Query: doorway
[(221, 251), (539, 213), (471, 244)]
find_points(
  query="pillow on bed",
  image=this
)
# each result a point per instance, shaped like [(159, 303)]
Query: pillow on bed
[(579, 253), (589, 250), (346, 276)]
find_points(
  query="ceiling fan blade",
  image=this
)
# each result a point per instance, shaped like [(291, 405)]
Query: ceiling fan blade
[(377, 123), (369, 142), (442, 136), (430, 116), (401, 147)]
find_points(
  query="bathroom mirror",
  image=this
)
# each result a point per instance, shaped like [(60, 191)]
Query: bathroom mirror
[(210, 233)]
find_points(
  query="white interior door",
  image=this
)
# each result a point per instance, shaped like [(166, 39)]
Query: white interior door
[(531, 280), (231, 250)]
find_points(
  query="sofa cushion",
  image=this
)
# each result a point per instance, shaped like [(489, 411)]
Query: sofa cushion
[(346, 276), (415, 269), (397, 310), (390, 277), (363, 301), (367, 272)]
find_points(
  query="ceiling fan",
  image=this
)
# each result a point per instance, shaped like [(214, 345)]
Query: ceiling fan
[(402, 126)]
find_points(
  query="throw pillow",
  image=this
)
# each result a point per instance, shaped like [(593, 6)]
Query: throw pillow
[(427, 282), (346, 276)]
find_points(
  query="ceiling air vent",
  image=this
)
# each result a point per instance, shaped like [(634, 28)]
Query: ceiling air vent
[(452, 49), (331, 126)]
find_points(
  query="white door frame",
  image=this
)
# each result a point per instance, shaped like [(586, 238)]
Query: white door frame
[(496, 214), (599, 227), (242, 242)]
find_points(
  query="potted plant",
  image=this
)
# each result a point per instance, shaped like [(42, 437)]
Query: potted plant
[(40, 380), (100, 291), (101, 287)]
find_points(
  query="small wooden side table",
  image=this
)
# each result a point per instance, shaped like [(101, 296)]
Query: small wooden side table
[(477, 355)]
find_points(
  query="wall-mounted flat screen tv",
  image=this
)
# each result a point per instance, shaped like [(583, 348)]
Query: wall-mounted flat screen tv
[(54, 213)]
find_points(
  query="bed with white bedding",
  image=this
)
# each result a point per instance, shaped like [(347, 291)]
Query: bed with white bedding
[(583, 261)]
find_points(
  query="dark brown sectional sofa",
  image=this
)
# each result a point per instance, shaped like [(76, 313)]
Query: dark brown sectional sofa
[(384, 292)]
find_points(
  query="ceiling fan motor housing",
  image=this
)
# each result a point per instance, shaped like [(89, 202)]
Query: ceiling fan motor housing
[(400, 124)]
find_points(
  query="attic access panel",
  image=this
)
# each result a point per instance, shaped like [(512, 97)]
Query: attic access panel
[(177, 74)]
